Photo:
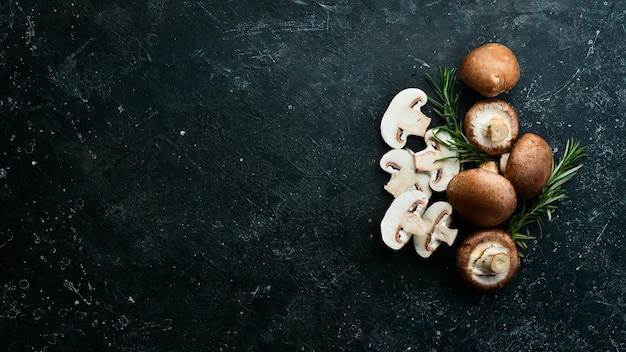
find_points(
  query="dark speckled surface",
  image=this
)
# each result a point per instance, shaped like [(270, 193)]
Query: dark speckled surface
[(203, 176)]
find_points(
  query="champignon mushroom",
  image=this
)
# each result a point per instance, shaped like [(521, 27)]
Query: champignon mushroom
[(403, 117), (487, 259), (492, 126), (440, 161), (529, 165), (404, 177), (403, 219), (481, 197), (437, 219), (490, 69)]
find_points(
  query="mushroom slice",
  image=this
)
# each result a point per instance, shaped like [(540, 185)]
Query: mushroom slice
[(438, 160), (403, 219), (403, 117), (437, 219), (487, 259), (492, 126), (401, 165)]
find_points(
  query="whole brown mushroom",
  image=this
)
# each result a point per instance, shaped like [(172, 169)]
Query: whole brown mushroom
[(529, 165), (487, 260), (490, 69), (492, 126), (481, 197)]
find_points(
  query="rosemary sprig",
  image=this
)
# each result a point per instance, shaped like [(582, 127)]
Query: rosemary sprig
[(541, 207), (448, 110)]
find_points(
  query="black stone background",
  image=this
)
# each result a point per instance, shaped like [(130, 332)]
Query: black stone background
[(203, 176)]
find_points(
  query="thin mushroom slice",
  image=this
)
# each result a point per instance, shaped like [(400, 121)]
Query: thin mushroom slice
[(438, 160), (404, 117), (399, 163), (437, 219), (403, 219)]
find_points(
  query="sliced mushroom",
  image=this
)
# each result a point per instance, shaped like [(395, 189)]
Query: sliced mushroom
[(492, 126), (404, 177), (487, 259), (437, 219), (481, 197), (403, 219), (438, 160), (403, 117), (529, 165)]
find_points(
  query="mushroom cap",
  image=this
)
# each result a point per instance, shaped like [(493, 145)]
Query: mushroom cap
[(481, 197), (529, 165), (490, 69), (492, 126), (487, 259)]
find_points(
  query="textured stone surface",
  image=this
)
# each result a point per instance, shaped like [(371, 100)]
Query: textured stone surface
[(203, 175)]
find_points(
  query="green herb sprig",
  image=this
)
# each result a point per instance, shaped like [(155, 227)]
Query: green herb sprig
[(448, 110), (541, 207)]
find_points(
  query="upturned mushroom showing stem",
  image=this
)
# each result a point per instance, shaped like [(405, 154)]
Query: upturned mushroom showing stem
[(487, 259), (492, 126)]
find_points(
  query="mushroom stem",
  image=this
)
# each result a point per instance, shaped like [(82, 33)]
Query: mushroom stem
[(489, 166), (497, 129), (487, 259), (504, 158), (497, 263)]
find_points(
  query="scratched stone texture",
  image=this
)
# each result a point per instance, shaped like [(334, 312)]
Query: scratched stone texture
[(203, 176)]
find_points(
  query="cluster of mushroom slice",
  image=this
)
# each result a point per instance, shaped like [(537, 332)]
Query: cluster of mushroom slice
[(414, 176)]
